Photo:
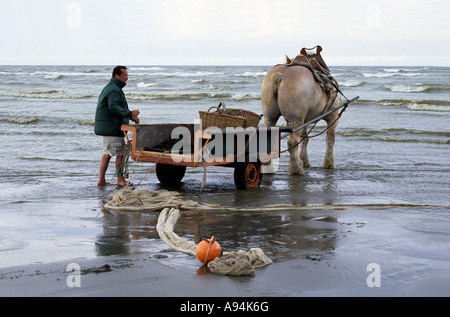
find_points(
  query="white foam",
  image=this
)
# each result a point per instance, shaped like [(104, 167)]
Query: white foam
[(378, 75), (427, 107), (350, 83), (183, 74), (50, 94), (246, 97), (251, 74), (147, 68), (401, 88), (145, 85)]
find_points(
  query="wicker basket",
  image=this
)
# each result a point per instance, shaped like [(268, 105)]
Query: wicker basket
[(251, 119), (220, 119)]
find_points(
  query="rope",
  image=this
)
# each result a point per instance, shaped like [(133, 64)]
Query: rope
[(123, 168), (204, 175), (160, 199), (205, 153), (148, 172), (166, 222)]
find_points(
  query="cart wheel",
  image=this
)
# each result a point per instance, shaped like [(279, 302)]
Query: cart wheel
[(170, 174), (247, 174)]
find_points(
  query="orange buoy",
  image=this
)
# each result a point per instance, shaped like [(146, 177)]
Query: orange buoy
[(207, 250)]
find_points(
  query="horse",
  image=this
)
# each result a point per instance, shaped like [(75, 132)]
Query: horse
[(291, 91)]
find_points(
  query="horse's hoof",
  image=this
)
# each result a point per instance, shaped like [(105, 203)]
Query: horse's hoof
[(296, 171)]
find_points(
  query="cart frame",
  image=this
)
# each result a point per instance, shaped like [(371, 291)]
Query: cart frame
[(244, 149)]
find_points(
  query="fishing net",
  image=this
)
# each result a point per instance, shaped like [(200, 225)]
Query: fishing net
[(170, 203), (239, 263), (142, 200), (236, 263)]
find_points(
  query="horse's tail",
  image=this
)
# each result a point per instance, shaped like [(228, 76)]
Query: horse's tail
[(277, 77)]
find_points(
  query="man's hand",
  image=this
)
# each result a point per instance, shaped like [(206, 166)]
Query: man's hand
[(134, 116)]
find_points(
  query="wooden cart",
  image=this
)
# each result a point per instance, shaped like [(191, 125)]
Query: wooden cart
[(173, 147)]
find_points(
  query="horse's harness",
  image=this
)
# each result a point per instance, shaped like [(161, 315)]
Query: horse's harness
[(315, 63)]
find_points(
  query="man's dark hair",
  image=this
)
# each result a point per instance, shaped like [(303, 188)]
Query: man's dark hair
[(118, 70)]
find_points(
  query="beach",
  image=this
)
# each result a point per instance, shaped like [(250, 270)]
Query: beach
[(376, 225), (332, 260)]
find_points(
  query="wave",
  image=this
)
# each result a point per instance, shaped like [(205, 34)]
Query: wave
[(146, 68), (393, 102), (134, 72), (351, 83), (401, 88), (393, 73), (417, 105), (394, 70), (239, 97), (391, 131), (192, 96), (85, 122), (145, 85), (369, 75), (176, 96), (198, 81), (92, 71), (398, 135), (416, 89), (233, 81), (180, 74), (60, 75), (20, 120), (52, 74), (251, 74), (427, 107), (409, 140), (46, 94), (419, 132)]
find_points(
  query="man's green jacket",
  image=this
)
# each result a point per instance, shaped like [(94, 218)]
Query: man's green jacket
[(112, 110)]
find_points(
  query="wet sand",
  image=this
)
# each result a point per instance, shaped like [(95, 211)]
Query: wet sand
[(329, 254), (339, 240)]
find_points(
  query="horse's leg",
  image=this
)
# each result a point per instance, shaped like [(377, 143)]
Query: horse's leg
[(330, 139), (295, 163), (303, 148)]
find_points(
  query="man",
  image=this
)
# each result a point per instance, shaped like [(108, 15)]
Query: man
[(112, 111)]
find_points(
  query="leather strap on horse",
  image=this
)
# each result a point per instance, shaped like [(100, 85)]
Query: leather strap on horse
[(316, 64)]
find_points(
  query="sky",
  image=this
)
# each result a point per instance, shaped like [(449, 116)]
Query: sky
[(224, 32)]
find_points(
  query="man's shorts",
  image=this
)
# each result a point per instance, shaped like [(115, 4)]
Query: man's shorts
[(113, 145)]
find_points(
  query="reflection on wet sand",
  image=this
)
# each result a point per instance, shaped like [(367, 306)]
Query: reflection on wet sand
[(281, 235)]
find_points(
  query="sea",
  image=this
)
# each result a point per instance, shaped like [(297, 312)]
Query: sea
[(392, 156)]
